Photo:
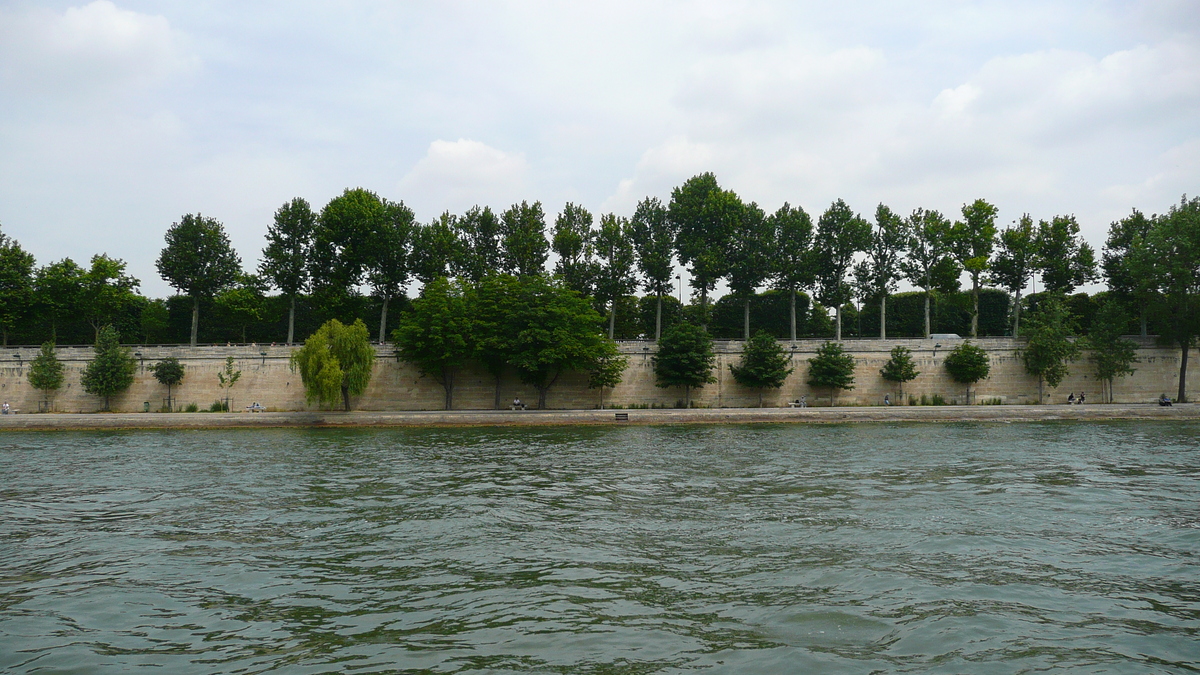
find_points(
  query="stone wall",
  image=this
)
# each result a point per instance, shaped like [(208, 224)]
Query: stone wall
[(268, 379)]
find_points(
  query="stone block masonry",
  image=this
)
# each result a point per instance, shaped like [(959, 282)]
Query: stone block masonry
[(269, 380)]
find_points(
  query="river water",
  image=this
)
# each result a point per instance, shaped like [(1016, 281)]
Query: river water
[(957, 548)]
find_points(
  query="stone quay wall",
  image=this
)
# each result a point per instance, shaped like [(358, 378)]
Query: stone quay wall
[(268, 379)]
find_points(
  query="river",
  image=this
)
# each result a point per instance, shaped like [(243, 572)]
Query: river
[(952, 548)]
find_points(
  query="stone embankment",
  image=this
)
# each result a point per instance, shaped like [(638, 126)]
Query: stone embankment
[(828, 415)]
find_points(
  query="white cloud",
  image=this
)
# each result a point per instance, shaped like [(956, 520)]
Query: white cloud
[(456, 175)]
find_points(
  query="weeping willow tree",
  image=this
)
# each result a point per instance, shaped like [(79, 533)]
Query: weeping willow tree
[(335, 363)]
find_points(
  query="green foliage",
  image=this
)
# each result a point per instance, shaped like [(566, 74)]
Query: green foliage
[(198, 260), (284, 262), (56, 293), (191, 408), (229, 376), (16, 284), (841, 234), (1015, 262), (1119, 264), (1112, 354), (900, 367), (573, 243), (608, 371), (832, 367), (435, 247), (436, 335), (877, 274), (971, 242), (704, 217), (169, 371), (647, 314), (46, 371), (751, 244), (343, 239), (111, 371), (792, 265), (764, 364), (1050, 347), (523, 235), (479, 244), (219, 406), (154, 321), (335, 361), (614, 271), (242, 305), (929, 264), (653, 237), (1063, 257), (685, 358), (968, 364)]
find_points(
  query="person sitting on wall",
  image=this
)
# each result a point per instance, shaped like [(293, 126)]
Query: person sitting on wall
[(1162, 400), (804, 401), (6, 409), (887, 400), (517, 404), (1081, 397), (1071, 398)]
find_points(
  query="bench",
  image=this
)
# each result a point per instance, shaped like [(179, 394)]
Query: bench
[(622, 417), (255, 408)]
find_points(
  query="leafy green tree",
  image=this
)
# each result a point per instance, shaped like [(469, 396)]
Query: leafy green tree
[(435, 248), (793, 266), (685, 359), (1049, 348), (342, 240), (1065, 260), (900, 368), (971, 242), (878, 273), (573, 242), (46, 371), (929, 264), (335, 362), (653, 238), (1015, 263), (1112, 354), (751, 245), (614, 271), (154, 320), (16, 285), (56, 293), (608, 370), (388, 266), (840, 235), (523, 236), (437, 334), (170, 372), (968, 364), (111, 371), (1168, 263), (228, 377), (764, 364), (832, 367), (493, 306), (107, 291), (242, 304), (284, 262), (1117, 262), (198, 260), (703, 217), (479, 244)]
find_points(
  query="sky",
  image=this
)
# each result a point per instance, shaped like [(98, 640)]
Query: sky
[(119, 116)]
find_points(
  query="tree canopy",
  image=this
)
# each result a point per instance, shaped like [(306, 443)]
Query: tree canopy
[(1049, 348), (1112, 354), (46, 371), (335, 362), (841, 234), (968, 364), (284, 263), (653, 237), (971, 242), (685, 359), (437, 333), (111, 371), (832, 367), (198, 260), (764, 364)]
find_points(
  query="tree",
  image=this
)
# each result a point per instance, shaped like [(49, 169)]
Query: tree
[(749, 258), (968, 364), (523, 235), (436, 334), (573, 236), (46, 371), (170, 372), (284, 262), (832, 367), (971, 241), (1111, 353), (16, 285), (900, 368), (793, 265), (111, 371), (840, 234), (764, 364), (1124, 236), (1063, 257), (1049, 347), (154, 321), (653, 238), (56, 292), (342, 240), (228, 377), (435, 248), (703, 217), (1015, 263), (493, 306), (877, 274), (1168, 263), (198, 260), (242, 304), (614, 271), (685, 359), (335, 362), (107, 291), (388, 264), (479, 244), (929, 265), (608, 370)]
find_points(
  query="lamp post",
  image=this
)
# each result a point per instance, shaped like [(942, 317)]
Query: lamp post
[(263, 354), (679, 278)]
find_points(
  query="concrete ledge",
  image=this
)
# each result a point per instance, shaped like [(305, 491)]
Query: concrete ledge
[(1005, 413)]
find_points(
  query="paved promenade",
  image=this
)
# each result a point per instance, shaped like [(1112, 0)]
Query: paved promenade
[(1006, 413)]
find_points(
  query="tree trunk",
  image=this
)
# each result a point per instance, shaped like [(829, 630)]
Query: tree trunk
[(792, 314), (448, 386), (704, 306), (838, 331), (612, 318), (746, 320), (760, 393), (346, 396), (4, 332), (1183, 346), (687, 396), (496, 405), (1017, 314), (1041, 396), (292, 321), (926, 314), (1143, 321), (883, 317), (658, 317), (975, 313), (195, 317), (542, 391), (383, 319)]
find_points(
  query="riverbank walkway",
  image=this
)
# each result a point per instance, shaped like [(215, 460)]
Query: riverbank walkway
[(450, 418)]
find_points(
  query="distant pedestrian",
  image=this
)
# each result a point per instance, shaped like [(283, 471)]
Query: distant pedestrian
[(1081, 398), (803, 401), (6, 409), (1071, 398), (887, 399)]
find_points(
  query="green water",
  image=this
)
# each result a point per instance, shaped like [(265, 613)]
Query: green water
[(968, 548)]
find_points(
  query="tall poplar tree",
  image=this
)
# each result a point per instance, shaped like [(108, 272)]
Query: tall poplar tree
[(653, 237), (1123, 283), (479, 244), (342, 242), (928, 264), (971, 241), (16, 284), (434, 248), (388, 264), (573, 242), (615, 276), (749, 258), (878, 273), (57, 290), (284, 262), (703, 216), (523, 228), (793, 264), (840, 234), (198, 260), (1015, 263), (1063, 257)]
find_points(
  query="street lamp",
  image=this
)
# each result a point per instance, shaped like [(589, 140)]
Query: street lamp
[(263, 354), (679, 278)]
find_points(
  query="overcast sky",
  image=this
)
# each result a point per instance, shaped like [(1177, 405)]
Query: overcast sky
[(116, 118)]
